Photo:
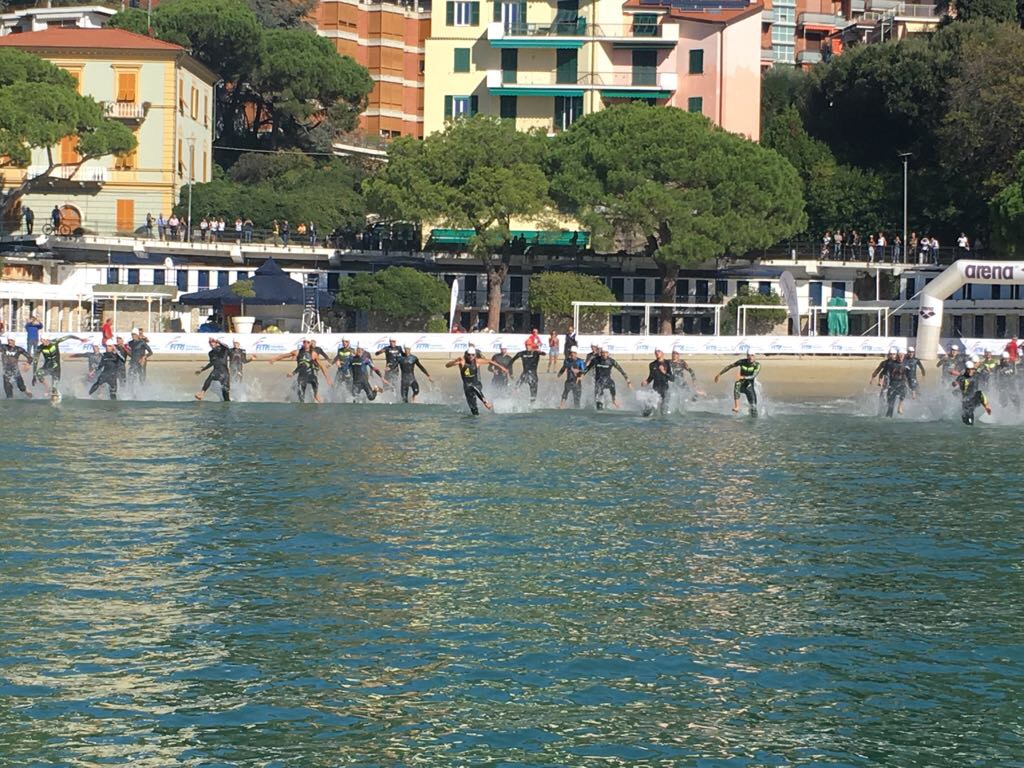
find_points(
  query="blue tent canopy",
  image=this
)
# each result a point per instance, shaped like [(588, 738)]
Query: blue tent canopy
[(271, 284)]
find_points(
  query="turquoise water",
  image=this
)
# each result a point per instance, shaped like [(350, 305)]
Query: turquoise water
[(276, 585)]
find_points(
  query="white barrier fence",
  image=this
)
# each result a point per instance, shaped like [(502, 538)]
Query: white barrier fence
[(197, 344)]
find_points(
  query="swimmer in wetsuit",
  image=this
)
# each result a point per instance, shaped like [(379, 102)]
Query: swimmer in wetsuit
[(1007, 382), (238, 358), (469, 372), (360, 367), (531, 360), (659, 376), (914, 365), (971, 395), (407, 365), (343, 361), (10, 353), (218, 367), (499, 365), (602, 365), (108, 371), (897, 381), (745, 382), (139, 353), (574, 370), (48, 353), (392, 354), (307, 362), (679, 370)]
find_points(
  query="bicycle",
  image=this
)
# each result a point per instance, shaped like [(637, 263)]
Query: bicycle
[(61, 230)]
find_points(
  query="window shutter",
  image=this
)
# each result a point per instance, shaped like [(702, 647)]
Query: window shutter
[(462, 59), (474, 103), (497, 10), (474, 14), (447, 107), (449, 13)]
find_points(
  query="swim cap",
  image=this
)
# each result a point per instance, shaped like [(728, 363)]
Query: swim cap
[(954, 347), (970, 365), (470, 350), (893, 350), (1006, 355), (910, 349), (574, 348)]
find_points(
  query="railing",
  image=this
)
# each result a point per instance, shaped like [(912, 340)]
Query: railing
[(808, 57), (918, 11), (125, 110), (637, 31), (866, 254), (820, 19)]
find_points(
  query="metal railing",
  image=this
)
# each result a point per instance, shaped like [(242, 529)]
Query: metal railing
[(866, 254)]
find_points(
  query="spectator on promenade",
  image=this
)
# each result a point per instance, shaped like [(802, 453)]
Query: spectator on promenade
[(238, 229), (534, 339), (913, 247), (871, 249), (32, 329), (149, 225), (220, 229), (837, 239), (285, 231), (30, 219), (897, 249), (55, 218), (275, 232), (963, 245), (880, 245), (172, 226), (161, 226), (204, 230), (247, 227), (311, 230), (300, 231), (826, 245)]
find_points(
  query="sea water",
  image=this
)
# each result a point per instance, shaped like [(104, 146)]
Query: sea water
[(272, 584)]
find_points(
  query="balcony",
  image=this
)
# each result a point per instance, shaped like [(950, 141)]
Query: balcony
[(768, 16), (822, 21), (129, 111), (918, 11), (639, 34), (808, 57), (622, 84)]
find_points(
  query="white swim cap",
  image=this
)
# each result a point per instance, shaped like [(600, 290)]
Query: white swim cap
[(910, 349), (974, 358), (1006, 355), (954, 347), (574, 348), (471, 350), (893, 350), (970, 365)]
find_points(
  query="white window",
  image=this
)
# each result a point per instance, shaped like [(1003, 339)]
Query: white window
[(463, 14), (461, 106)]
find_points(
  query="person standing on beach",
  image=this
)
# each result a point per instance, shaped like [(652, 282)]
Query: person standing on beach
[(407, 365), (552, 351), (469, 372), (32, 329), (219, 364), (745, 382)]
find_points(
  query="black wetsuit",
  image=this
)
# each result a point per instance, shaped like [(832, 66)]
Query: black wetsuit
[(1007, 384), (984, 370), (49, 354), (108, 373), (408, 364), (219, 373), (971, 396), (343, 359), (531, 359), (391, 357), (603, 367), (360, 369), (138, 351), (679, 370), (92, 360), (122, 371), (305, 373), (500, 377), (471, 387), (659, 376), (237, 360), (574, 371), (12, 376), (896, 377), (913, 366), (745, 383)]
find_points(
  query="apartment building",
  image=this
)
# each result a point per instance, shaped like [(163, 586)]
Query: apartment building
[(546, 64), (37, 19), (155, 88), (388, 39)]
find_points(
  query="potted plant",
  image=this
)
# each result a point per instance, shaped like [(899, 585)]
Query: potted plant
[(243, 289)]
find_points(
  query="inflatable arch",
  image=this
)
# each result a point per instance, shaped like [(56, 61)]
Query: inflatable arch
[(957, 275)]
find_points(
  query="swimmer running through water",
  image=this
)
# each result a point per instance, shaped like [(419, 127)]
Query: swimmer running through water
[(48, 354), (659, 376), (108, 371), (469, 371), (307, 359), (971, 395), (219, 364), (745, 384), (10, 353), (407, 365)]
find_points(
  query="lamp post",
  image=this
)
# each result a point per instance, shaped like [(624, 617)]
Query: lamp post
[(191, 169), (905, 156)]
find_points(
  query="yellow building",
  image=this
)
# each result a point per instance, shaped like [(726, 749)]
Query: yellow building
[(158, 90), (545, 64)]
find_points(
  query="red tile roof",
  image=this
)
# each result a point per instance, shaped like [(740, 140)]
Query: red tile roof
[(105, 39)]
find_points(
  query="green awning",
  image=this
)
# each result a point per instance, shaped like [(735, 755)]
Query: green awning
[(636, 94), (531, 236), (533, 90)]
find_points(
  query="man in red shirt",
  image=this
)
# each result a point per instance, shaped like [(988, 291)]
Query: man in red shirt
[(1012, 349), (534, 341), (108, 331)]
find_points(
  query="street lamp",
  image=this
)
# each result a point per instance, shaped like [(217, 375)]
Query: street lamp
[(191, 171), (905, 156)]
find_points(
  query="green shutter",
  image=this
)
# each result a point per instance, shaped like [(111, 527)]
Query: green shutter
[(697, 61), (695, 104), (449, 13), (461, 60), (474, 104), (447, 107), (508, 107), (509, 64), (566, 66), (474, 14), (522, 16), (497, 11)]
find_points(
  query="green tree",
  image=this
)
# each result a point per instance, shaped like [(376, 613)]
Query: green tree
[(1007, 214), (479, 174), (552, 295), (994, 10), (39, 106), (674, 186), (396, 296), (243, 289), (281, 13), (291, 187), (759, 321)]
